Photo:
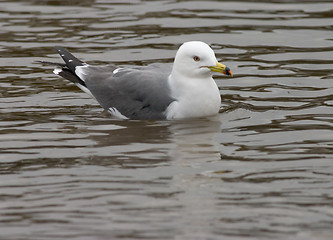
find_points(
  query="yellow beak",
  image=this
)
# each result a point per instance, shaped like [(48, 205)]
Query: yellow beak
[(221, 68)]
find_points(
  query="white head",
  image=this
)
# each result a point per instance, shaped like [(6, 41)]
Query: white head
[(196, 59)]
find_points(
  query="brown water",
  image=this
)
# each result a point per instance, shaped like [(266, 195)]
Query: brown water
[(261, 169)]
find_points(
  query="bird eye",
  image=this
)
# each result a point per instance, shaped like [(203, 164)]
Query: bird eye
[(196, 58)]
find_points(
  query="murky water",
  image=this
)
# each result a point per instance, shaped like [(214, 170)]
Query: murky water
[(261, 169)]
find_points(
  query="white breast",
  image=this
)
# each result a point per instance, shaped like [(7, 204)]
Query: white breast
[(195, 98)]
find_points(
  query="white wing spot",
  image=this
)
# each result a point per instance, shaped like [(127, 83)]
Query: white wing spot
[(116, 70), (56, 71), (115, 113), (70, 60)]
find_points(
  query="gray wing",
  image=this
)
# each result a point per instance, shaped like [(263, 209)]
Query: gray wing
[(137, 93)]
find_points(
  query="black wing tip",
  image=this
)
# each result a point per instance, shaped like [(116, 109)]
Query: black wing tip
[(67, 74), (57, 47), (62, 51), (71, 61)]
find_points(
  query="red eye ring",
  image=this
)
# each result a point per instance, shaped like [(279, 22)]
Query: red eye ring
[(196, 58)]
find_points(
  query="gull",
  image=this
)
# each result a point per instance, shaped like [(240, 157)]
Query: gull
[(185, 90)]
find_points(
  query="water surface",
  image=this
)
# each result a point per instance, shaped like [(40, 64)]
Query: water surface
[(261, 169)]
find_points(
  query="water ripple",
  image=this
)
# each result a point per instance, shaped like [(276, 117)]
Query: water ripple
[(261, 169)]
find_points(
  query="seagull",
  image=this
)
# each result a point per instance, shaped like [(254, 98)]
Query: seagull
[(185, 90)]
